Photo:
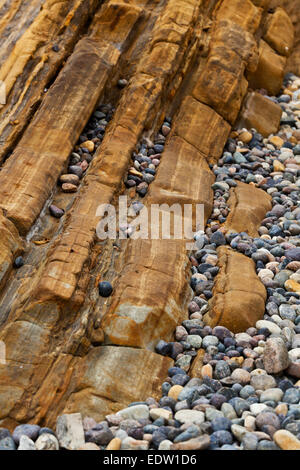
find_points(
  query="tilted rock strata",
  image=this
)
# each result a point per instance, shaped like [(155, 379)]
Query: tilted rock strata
[(238, 295), (54, 367)]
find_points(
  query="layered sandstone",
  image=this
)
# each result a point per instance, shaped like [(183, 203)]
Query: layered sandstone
[(68, 350)]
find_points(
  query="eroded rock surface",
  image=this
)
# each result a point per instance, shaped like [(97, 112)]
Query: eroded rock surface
[(67, 351)]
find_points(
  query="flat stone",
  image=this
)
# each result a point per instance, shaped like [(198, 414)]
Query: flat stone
[(135, 412), (190, 416), (275, 356), (286, 440), (156, 413)]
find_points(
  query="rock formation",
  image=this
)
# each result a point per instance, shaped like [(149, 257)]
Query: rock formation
[(201, 62)]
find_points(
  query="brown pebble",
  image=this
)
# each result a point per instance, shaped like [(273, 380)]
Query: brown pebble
[(69, 178), (115, 444), (69, 188)]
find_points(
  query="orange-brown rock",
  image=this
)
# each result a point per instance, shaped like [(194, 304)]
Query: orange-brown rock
[(134, 318), (238, 300), (242, 12), (222, 84), (29, 30), (293, 11), (191, 124), (279, 32), (270, 70), (67, 348), (248, 206), (182, 180), (261, 113), (110, 377)]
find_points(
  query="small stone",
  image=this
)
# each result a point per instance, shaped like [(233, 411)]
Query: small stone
[(292, 396), (292, 286), (262, 382), (281, 409), (156, 413), (29, 430), (276, 141), (69, 188), (165, 130), (257, 408), (198, 443), (134, 412), (273, 394), (69, 179), (46, 442), (69, 431), (175, 391), (165, 445), (122, 83), (88, 144), (275, 356), (19, 262), (278, 166), (267, 418), (194, 340), (56, 211), (7, 443), (272, 327), (207, 371), (241, 376), (286, 440), (245, 137), (26, 443), (218, 238), (115, 444), (105, 289), (238, 431), (88, 446), (250, 441)]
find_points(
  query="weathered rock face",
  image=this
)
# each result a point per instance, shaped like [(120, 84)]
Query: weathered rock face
[(197, 60), (239, 297)]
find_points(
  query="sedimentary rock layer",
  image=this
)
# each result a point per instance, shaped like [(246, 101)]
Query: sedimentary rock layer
[(55, 325), (238, 295), (248, 206), (31, 58)]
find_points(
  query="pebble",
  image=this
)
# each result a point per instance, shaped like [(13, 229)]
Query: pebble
[(26, 443), (272, 394), (46, 441), (156, 413), (286, 440), (29, 430), (105, 289), (56, 211), (69, 188), (69, 431), (175, 391)]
